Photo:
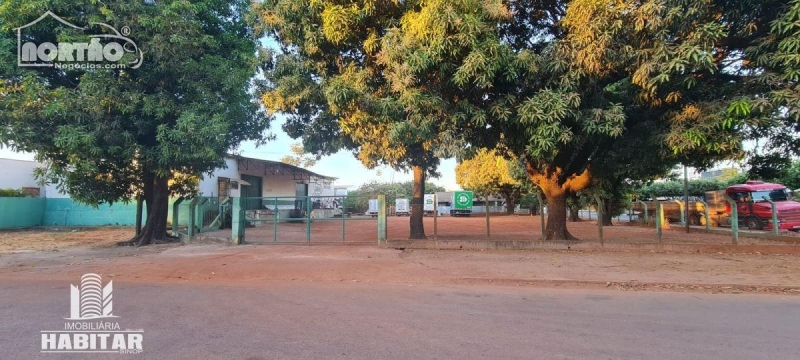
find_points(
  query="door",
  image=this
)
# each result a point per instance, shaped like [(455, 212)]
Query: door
[(252, 193)]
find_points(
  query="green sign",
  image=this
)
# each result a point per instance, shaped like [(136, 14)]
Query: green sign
[(462, 200)]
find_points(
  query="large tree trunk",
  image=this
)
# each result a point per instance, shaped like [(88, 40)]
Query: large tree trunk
[(156, 198), (608, 209), (511, 199), (556, 191), (417, 204)]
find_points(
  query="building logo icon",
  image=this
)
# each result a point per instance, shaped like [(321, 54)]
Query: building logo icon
[(92, 327), (91, 300)]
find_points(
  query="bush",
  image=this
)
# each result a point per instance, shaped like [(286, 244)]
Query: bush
[(13, 193)]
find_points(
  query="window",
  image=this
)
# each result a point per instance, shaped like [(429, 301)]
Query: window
[(774, 195)]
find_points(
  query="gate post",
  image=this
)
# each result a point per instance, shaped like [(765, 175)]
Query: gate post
[(175, 217), (237, 222), (381, 220), (192, 219)]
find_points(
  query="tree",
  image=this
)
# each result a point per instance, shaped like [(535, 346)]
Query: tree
[(343, 78), (299, 157), (486, 174), (109, 135)]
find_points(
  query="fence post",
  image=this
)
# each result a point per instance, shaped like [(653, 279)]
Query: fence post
[(646, 212), (435, 216), (486, 206), (175, 217), (659, 213), (237, 222), (343, 221), (541, 213), (308, 219), (775, 222), (600, 219), (734, 219), (192, 219), (381, 219), (683, 213)]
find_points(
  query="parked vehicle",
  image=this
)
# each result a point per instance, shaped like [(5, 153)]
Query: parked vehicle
[(754, 209), (402, 207), (373, 208)]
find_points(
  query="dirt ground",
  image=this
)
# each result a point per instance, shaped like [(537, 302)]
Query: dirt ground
[(254, 264), (60, 238)]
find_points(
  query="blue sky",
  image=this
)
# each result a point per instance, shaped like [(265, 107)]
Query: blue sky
[(343, 165)]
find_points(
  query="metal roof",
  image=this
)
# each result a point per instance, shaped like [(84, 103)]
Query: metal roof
[(276, 168)]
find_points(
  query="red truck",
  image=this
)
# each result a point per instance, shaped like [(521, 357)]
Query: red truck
[(755, 212)]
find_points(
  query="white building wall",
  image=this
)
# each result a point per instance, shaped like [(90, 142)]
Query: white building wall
[(208, 185), (17, 174), (278, 185)]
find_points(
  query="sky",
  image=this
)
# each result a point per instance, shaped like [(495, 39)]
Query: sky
[(342, 165)]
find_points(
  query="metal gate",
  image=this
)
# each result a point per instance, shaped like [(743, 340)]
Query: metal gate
[(307, 219)]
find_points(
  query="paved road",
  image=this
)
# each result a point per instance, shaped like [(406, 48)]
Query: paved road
[(312, 320)]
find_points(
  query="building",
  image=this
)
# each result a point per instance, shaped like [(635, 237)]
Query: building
[(18, 175), (264, 185)]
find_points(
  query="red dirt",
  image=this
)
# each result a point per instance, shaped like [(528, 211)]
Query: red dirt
[(222, 264)]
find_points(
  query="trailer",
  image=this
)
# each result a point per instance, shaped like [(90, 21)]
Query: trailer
[(462, 203), (402, 207), (373, 208), (429, 205)]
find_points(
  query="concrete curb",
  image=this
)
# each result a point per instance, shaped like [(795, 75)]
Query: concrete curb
[(593, 246)]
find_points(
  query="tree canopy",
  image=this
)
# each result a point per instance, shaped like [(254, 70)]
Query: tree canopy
[(110, 135), (488, 173), (299, 157)]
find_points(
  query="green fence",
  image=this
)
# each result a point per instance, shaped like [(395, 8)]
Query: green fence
[(28, 212), (21, 212), (291, 219)]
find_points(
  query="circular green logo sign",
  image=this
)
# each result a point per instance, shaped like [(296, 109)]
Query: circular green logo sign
[(463, 199)]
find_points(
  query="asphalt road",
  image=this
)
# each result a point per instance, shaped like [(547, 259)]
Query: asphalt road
[(312, 320)]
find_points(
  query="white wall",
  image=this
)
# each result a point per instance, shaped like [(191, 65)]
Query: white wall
[(279, 185), (208, 185), (272, 185), (17, 174)]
